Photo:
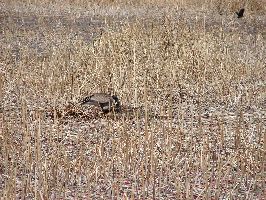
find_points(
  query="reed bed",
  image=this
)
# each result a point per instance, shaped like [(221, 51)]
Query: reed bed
[(191, 79)]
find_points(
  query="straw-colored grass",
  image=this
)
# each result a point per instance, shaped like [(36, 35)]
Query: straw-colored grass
[(191, 79)]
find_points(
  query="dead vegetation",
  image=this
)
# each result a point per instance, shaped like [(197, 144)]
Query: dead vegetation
[(192, 86)]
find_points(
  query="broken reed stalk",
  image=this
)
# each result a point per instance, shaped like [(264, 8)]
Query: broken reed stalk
[(2, 78)]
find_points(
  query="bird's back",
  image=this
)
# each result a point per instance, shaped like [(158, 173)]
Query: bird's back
[(105, 101), (101, 98)]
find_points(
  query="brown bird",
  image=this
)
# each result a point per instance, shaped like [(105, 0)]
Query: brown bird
[(105, 101), (240, 13)]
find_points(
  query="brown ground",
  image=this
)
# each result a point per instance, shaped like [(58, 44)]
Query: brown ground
[(191, 79)]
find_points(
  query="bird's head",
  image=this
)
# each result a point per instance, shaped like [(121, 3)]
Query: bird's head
[(85, 101)]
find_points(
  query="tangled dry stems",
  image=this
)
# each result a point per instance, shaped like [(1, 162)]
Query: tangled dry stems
[(193, 89)]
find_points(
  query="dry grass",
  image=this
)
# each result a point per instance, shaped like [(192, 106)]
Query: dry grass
[(191, 79)]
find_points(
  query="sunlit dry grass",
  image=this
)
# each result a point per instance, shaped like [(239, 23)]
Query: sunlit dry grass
[(191, 79)]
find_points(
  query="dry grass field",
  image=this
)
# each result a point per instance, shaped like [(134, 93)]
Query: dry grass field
[(191, 78)]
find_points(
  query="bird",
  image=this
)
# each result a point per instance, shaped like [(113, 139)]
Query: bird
[(107, 102), (240, 13)]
